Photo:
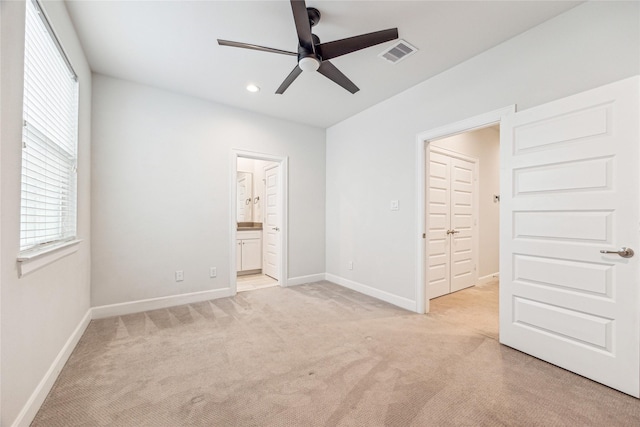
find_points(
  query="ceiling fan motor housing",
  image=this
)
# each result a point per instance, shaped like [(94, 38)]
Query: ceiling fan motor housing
[(306, 56), (310, 60)]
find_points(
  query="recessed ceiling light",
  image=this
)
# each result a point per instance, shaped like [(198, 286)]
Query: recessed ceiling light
[(252, 88)]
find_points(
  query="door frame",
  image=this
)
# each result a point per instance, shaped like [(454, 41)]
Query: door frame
[(422, 144), (476, 200), (283, 189)]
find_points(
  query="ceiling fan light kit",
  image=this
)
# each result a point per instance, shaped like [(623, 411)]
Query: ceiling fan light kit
[(309, 64), (313, 55)]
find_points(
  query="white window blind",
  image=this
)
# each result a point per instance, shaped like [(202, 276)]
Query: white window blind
[(49, 150)]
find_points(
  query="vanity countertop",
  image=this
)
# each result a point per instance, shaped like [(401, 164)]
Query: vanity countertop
[(247, 226)]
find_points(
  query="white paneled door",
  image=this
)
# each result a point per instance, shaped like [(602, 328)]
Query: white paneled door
[(271, 228), (570, 190), (451, 223)]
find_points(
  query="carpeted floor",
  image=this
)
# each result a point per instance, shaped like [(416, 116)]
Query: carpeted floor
[(319, 355)]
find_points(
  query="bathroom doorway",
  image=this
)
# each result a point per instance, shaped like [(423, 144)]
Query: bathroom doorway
[(259, 221)]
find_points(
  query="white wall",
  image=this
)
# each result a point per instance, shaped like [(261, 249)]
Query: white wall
[(484, 145), (160, 190), (371, 156), (39, 311)]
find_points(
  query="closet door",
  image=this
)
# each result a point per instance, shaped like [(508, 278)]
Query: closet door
[(438, 221), (463, 221), (451, 224)]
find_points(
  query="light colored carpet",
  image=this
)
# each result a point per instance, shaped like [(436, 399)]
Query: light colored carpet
[(319, 355)]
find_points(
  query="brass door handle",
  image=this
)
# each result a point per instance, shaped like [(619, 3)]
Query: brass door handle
[(452, 231)]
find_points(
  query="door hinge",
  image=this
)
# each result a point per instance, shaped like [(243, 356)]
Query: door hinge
[(424, 235)]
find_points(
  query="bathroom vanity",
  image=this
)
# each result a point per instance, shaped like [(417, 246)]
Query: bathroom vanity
[(249, 250)]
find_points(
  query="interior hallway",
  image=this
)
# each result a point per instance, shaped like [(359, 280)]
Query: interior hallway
[(319, 354)]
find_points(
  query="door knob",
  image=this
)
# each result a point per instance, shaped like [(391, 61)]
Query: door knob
[(452, 231), (624, 252), (275, 229)]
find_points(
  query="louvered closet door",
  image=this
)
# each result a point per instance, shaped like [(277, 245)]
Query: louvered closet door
[(451, 224)]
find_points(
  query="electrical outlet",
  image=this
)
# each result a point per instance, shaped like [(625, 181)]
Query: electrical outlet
[(350, 265), (213, 272), (179, 275)]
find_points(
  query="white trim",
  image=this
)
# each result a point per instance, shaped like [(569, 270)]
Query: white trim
[(31, 408), (233, 223), (422, 303), (283, 188), (139, 306), (303, 280), (29, 261), (472, 123), (451, 153), (396, 300), (284, 218), (488, 278)]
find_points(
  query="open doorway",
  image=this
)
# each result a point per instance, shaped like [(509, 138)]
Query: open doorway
[(463, 228), (471, 150), (258, 213), (462, 211)]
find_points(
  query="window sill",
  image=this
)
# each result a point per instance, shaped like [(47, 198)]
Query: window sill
[(30, 261)]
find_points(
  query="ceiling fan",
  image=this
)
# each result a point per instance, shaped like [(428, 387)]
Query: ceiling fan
[(313, 55)]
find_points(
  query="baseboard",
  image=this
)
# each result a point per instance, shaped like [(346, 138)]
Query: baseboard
[(401, 302), (31, 408), (301, 280), (121, 309), (488, 278)]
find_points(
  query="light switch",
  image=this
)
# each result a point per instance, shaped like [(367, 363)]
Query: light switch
[(394, 205)]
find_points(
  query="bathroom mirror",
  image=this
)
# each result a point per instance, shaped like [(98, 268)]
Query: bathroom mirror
[(245, 196)]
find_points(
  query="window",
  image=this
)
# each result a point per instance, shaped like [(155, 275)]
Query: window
[(50, 134)]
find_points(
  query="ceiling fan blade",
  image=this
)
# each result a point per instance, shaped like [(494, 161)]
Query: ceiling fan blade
[(341, 47), (330, 71), (303, 27), (290, 78), (255, 47)]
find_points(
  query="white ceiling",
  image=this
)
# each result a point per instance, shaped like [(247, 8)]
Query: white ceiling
[(172, 45)]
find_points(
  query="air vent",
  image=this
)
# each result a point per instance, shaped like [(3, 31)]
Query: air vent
[(399, 51)]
